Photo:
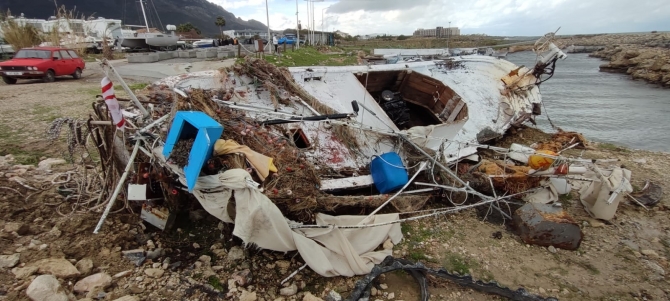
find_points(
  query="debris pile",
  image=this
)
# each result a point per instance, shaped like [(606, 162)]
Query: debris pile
[(268, 177)]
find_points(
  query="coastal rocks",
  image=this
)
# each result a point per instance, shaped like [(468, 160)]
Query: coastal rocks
[(58, 267), (46, 288), (651, 64), (100, 280), (9, 261)]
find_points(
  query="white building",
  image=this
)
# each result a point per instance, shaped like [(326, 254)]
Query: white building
[(100, 27), (248, 33)]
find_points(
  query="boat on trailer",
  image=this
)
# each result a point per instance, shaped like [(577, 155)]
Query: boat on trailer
[(149, 39)]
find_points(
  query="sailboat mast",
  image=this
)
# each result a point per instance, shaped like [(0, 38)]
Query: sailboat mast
[(145, 16)]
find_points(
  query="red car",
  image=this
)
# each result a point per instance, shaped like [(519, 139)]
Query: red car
[(42, 62)]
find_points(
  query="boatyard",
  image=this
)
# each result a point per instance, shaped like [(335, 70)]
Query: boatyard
[(162, 162)]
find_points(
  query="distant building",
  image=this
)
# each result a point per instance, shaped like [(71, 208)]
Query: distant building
[(248, 33), (439, 32), (342, 34)]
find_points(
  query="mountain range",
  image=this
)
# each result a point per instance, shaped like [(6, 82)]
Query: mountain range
[(200, 13)]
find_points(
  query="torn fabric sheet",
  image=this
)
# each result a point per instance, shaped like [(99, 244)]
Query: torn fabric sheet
[(329, 252)]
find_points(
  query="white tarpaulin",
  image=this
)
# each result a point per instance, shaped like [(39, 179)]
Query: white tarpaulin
[(329, 252)]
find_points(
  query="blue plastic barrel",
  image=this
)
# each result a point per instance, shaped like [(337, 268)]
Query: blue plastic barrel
[(388, 172)]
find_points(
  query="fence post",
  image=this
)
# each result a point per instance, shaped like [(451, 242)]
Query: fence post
[(284, 47)]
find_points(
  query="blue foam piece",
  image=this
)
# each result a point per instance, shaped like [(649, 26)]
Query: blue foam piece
[(187, 124), (388, 172)]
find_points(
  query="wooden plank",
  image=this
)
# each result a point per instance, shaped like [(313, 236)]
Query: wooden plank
[(455, 112), (346, 183)]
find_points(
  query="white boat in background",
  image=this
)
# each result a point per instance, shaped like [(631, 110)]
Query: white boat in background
[(149, 39), (204, 43)]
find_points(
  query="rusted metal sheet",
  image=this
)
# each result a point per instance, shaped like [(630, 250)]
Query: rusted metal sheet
[(547, 225)]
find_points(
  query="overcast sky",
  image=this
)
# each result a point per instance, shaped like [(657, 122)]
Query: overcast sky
[(492, 17)]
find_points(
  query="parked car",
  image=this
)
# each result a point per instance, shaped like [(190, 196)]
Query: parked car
[(42, 62)]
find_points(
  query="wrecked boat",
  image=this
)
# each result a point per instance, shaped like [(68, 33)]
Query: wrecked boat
[(255, 143)]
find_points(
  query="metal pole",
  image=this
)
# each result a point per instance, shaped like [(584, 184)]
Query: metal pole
[(267, 14), (322, 24), (448, 35), (297, 26), (110, 204), (145, 15), (307, 37)]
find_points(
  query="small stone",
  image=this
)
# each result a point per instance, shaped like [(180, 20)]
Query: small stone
[(19, 228), (55, 232), (374, 291), (84, 266), (21, 273), (157, 265), (47, 163), (309, 297), (156, 253), (58, 267), (283, 264), (196, 245), (542, 291), (135, 289), (633, 246), (552, 249), (154, 273), (99, 280), (9, 261), (205, 259), (217, 268), (242, 278), (235, 253), (597, 224), (585, 224), (388, 245), (637, 254), (46, 288), (127, 298), (334, 296), (122, 274), (640, 161), (565, 291), (391, 296), (289, 291), (657, 269), (247, 296), (649, 253), (384, 286), (135, 256), (43, 247), (150, 244)]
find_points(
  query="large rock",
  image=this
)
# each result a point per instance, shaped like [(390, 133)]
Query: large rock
[(547, 225), (46, 288), (84, 266), (9, 261), (99, 280), (58, 267)]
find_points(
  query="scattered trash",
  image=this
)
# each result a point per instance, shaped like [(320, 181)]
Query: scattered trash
[(649, 196), (420, 273)]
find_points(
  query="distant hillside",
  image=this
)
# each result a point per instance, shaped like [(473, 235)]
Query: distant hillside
[(200, 13)]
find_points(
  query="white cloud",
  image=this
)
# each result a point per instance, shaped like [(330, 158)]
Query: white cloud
[(493, 17)]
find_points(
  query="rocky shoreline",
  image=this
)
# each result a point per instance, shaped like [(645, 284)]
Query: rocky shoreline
[(642, 56)]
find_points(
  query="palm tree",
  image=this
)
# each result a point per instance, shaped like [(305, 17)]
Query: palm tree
[(220, 22)]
